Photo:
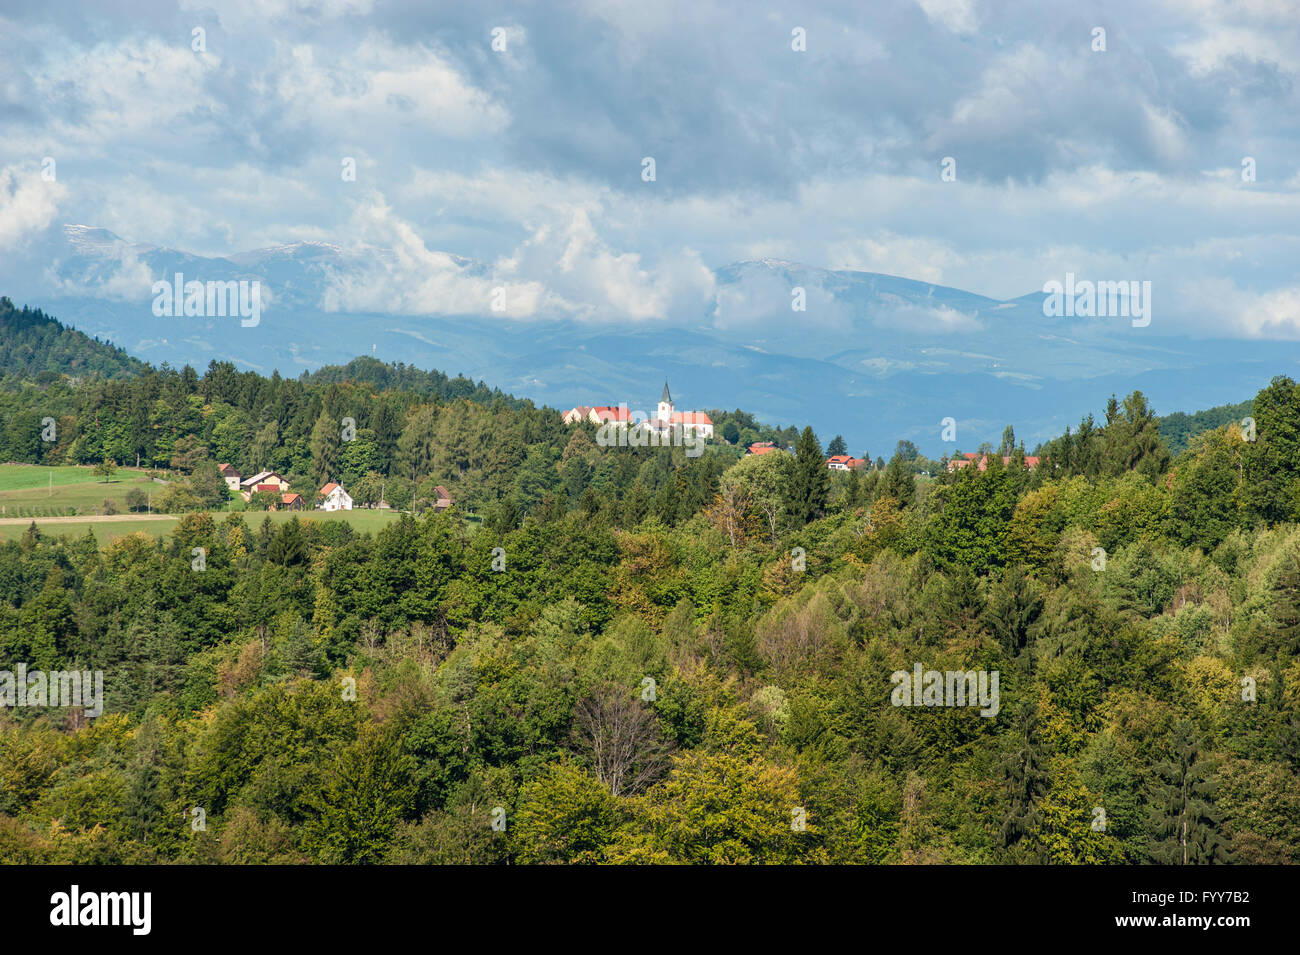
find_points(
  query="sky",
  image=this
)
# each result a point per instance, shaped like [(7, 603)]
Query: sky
[(515, 135)]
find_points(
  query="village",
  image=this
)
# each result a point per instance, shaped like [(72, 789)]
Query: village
[(331, 497)]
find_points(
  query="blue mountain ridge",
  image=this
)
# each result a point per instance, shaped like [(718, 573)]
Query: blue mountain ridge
[(876, 358)]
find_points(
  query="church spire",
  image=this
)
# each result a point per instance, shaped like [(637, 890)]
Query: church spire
[(667, 398)]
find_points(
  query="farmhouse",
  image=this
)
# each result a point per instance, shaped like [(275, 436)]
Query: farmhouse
[(844, 462), (442, 499), (762, 447), (230, 475), (291, 502), (334, 498), (262, 481)]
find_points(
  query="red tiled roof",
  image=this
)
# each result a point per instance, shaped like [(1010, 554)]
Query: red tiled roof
[(968, 457), (690, 417), (328, 489), (289, 498)]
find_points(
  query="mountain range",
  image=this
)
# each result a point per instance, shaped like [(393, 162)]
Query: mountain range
[(874, 357)]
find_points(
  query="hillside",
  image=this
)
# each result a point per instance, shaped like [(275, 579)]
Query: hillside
[(36, 347), (1178, 429)]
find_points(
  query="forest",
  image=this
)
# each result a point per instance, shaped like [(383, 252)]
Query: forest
[(636, 657)]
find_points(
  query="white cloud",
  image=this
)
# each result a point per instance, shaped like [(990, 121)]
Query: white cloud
[(912, 257), (28, 204), (244, 13), (959, 16), (385, 84), (137, 87)]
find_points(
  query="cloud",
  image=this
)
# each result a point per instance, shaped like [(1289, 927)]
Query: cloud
[(28, 204), (388, 84), (959, 16), (527, 164), (242, 14)]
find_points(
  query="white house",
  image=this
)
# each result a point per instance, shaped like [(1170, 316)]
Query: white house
[(335, 498)]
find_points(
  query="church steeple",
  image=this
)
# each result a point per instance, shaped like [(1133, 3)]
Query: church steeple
[(665, 412)]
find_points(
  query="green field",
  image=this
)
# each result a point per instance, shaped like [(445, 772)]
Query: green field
[(25, 493), (25, 490)]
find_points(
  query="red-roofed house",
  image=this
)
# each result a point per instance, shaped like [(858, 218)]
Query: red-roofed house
[(292, 502), (334, 498), (602, 414), (844, 462), (442, 499), (970, 457), (762, 447), (262, 481)]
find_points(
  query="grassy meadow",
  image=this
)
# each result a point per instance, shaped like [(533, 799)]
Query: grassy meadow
[(75, 504)]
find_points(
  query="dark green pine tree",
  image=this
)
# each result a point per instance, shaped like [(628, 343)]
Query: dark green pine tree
[(1183, 824), (1026, 775), (837, 446), (810, 482), (1286, 608), (636, 505), (503, 516), (387, 429), (287, 548), (853, 491), (1014, 606), (142, 803), (900, 483)]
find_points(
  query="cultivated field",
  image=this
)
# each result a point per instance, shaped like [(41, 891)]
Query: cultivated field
[(76, 505), (25, 490)]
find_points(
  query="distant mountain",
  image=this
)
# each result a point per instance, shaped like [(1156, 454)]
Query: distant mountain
[(35, 347), (873, 357)]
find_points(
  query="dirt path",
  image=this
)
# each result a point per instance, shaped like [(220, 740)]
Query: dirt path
[(89, 519)]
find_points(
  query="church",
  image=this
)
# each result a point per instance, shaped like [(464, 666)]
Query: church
[(664, 420)]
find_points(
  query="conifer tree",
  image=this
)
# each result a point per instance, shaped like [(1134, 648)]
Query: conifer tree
[(1027, 777), (810, 482), (1183, 822)]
